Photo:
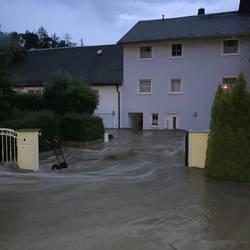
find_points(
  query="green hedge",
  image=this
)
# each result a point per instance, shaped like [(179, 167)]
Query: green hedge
[(80, 127), (45, 121), (27, 101), (228, 151)]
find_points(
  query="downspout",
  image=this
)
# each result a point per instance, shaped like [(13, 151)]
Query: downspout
[(119, 105)]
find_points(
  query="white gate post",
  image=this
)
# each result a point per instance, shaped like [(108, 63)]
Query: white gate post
[(28, 149)]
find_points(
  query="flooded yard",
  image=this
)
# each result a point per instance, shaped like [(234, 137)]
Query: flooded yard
[(133, 193)]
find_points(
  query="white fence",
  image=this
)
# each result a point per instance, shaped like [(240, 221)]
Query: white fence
[(8, 145)]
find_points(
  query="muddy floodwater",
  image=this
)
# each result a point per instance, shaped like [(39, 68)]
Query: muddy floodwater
[(133, 193)]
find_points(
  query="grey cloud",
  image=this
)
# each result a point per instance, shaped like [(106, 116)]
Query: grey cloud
[(97, 21)]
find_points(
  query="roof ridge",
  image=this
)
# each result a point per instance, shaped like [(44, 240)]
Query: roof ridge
[(76, 47), (191, 16)]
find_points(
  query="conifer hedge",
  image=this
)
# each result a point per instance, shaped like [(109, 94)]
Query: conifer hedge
[(228, 151)]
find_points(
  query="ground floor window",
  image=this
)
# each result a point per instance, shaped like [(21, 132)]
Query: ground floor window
[(35, 92), (155, 119)]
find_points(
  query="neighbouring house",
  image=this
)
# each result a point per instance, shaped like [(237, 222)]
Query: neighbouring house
[(101, 66), (173, 66)]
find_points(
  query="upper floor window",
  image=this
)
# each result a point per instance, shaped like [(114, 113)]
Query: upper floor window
[(155, 119), (177, 50), (175, 86), (229, 80), (146, 52), (230, 46), (145, 87)]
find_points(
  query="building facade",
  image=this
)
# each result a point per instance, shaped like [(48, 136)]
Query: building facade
[(173, 67)]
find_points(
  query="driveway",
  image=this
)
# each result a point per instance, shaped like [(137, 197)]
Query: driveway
[(133, 193)]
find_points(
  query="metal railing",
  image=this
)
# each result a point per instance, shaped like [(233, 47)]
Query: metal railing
[(8, 145)]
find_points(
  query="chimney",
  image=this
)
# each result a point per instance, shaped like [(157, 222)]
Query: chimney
[(201, 11)]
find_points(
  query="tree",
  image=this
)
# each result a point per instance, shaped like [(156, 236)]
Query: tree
[(6, 95), (67, 39), (228, 152), (44, 39), (29, 40), (64, 94)]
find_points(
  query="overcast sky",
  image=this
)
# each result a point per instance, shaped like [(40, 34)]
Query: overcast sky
[(97, 21)]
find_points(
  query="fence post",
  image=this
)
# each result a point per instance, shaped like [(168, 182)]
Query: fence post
[(197, 146), (28, 149)]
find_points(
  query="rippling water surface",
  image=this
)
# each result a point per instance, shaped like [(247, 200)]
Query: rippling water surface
[(130, 194)]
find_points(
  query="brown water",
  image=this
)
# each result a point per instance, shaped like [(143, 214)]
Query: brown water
[(133, 193)]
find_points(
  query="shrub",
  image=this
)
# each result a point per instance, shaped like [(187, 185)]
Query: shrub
[(45, 121), (65, 94), (6, 94), (84, 127), (27, 101), (228, 152)]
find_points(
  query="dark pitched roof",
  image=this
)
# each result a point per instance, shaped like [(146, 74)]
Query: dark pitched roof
[(203, 26), (39, 66)]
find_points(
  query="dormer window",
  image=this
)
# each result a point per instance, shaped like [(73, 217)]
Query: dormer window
[(231, 47), (146, 52)]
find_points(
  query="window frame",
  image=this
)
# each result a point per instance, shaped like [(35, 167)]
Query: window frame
[(228, 76), (182, 51), (170, 86), (152, 120), (139, 53), (144, 93), (230, 54)]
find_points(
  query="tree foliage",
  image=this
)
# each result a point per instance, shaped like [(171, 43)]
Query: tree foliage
[(64, 94), (6, 95), (228, 152)]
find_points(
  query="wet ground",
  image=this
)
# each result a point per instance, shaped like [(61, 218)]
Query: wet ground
[(133, 193)]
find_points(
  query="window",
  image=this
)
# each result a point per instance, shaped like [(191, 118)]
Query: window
[(229, 80), (145, 87), (230, 47), (146, 52), (155, 118), (176, 86), (35, 92), (176, 50)]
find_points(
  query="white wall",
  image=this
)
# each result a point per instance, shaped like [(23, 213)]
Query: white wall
[(108, 105), (28, 89), (201, 69)]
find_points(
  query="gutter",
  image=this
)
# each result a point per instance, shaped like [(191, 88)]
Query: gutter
[(119, 105)]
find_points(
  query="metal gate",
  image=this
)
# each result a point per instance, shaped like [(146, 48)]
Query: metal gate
[(8, 145)]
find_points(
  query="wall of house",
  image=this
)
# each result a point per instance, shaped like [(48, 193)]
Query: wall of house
[(201, 69), (108, 103), (34, 90)]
